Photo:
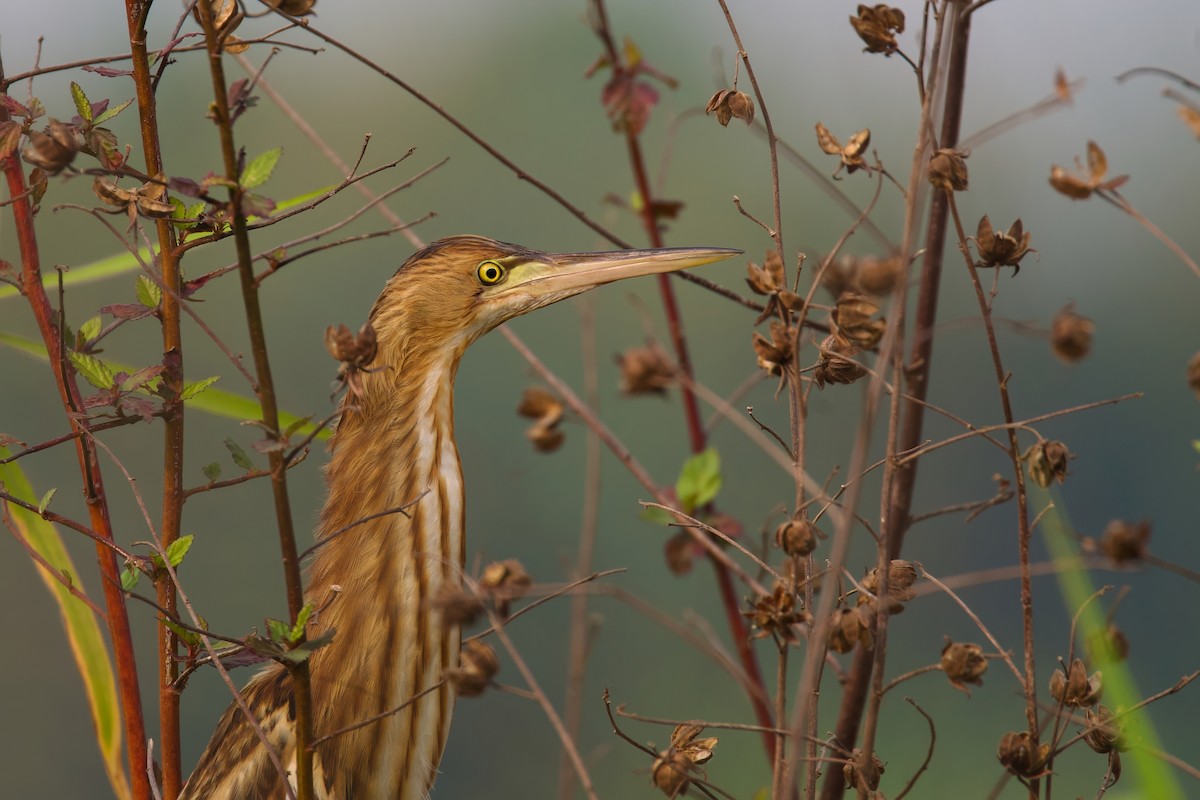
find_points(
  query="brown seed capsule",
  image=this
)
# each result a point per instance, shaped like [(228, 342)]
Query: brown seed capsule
[(505, 581), (1020, 755), (1001, 249), (1047, 462), (1125, 542), (851, 155), (862, 772), (646, 370), (672, 770), (797, 536), (355, 352), (1107, 645), (852, 317), (1079, 188), (1075, 688), (729, 104), (963, 663), (1193, 374), (847, 628), (948, 170), (776, 353), (457, 606), (477, 668), (52, 150), (775, 614), (877, 26), (297, 8), (878, 276), (1071, 335), (1104, 734), (547, 412), (834, 364), (901, 576)]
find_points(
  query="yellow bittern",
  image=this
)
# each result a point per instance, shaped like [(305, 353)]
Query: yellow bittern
[(372, 583)]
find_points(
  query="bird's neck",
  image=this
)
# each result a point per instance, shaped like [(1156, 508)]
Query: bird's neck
[(393, 538)]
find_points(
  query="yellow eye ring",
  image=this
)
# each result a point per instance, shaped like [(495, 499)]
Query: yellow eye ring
[(491, 272)]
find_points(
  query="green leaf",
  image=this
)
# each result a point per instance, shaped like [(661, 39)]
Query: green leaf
[(212, 472), (109, 113), (45, 501), (130, 577), (278, 630), (190, 638), (81, 102), (699, 480), (297, 632), (258, 171), (194, 388), (89, 329), (239, 455), (301, 653), (177, 549), (89, 273), (94, 371), (148, 292), (1196, 445), (82, 627)]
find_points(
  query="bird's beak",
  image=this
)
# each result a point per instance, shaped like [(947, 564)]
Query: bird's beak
[(570, 273)]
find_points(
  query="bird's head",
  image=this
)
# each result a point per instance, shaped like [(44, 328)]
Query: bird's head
[(457, 289)]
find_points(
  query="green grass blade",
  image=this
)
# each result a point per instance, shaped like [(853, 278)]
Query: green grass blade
[(82, 628), (100, 270)]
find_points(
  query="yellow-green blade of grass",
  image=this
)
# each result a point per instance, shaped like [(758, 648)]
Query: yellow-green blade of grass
[(212, 400), (1144, 775), (82, 628)]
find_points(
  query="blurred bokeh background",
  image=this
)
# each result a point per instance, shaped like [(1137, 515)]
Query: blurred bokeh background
[(514, 72)]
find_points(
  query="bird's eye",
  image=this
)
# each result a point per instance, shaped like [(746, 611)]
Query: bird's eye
[(490, 273)]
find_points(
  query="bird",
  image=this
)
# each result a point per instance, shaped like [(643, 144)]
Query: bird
[(372, 582)]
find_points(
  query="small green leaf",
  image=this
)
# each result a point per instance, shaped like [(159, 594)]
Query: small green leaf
[(212, 472), (190, 638), (301, 653), (1196, 445), (258, 171), (278, 629), (45, 501), (130, 577), (94, 371), (239, 455), (297, 632), (148, 292), (89, 329), (699, 480), (81, 102), (194, 388), (177, 549), (109, 113)]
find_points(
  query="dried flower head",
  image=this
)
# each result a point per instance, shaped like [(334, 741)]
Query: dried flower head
[(673, 769), (877, 26), (963, 663), (457, 606), (297, 8), (1103, 733), (852, 317), (1078, 187), (834, 364), (775, 614), (1047, 462), (797, 536), (948, 169), (477, 667), (1125, 542), (1193, 374), (852, 154), (847, 628), (1071, 334), (862, 772), (53, 150), (646, 370), (1001, 249), (731, 104), (901, 577), (1075, 688), (771, 280), (505, 581), (547, 412), (878, 276), (1022, 756), (775, 354), (353, 352)]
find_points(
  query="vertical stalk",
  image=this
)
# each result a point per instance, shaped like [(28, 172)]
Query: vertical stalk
[(136, 12), (89, 466), (301, 685)]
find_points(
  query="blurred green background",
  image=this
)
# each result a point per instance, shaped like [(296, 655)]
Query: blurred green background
[(513, 71)]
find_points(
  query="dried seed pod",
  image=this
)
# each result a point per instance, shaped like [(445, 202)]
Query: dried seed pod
[(477, 668), (1193, 374), (797, 536), (948, 170), (731, 104), (458, 607), (879, 276), (1107, 645), (834, 364), (847, 628), (1071, 334), (862, 772), (901, 576), (547, 412), (1077, 187), (505, 581), (354, 352), (963, 663), (52, 150), (646, 370), (850, 155), (877, 26), (1075, 688), (1021, 755), (775, 614), (297, 8), (1004, 249), (672, 770), (1125, 542), (776, 353), (1103, 733), (1047, 462), (853, 318)]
